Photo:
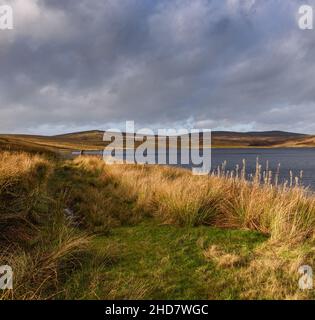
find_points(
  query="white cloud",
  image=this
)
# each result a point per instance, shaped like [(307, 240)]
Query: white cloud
[(32, 19)]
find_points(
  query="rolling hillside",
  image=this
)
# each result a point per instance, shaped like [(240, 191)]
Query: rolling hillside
[(256, 139), (219, 138), (94, 140)]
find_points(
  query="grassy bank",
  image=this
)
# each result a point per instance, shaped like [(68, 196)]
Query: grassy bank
[(83, 229)]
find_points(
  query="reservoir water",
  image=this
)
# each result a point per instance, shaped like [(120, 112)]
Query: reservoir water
[(290, 159)]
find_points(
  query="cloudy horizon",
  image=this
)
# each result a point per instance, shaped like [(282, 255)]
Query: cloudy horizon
[(237, 65)]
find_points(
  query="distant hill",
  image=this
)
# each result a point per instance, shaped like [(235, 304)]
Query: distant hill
[(260, 133), (83, 135), (88, 140), (255, 139)]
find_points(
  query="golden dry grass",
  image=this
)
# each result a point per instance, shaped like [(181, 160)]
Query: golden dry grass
[(176, 196), (35, 238), (224, 260)]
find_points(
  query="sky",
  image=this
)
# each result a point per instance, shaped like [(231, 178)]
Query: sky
[(239, 65)]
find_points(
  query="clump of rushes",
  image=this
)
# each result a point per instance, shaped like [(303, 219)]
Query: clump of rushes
[(187, 201), (36, 240), (21, 179), (175, 196)]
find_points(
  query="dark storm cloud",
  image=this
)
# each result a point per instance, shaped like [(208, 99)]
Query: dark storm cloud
[(80, 64)]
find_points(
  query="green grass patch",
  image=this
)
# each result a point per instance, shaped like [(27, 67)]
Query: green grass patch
[(152, 261)]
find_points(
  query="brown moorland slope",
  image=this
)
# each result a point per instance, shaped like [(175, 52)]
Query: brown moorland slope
[(219, 139), (89, 140)]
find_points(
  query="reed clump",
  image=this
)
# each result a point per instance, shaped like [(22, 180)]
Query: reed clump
[(223, 199), (35, 238)]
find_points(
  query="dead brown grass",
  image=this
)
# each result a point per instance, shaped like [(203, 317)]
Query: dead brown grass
[(224, 260), (35, 238)]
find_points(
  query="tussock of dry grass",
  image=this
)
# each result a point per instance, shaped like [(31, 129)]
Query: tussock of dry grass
[(35, 238), (15, 167), (21, 179), (39, 273), (281, 213), (224, 260)]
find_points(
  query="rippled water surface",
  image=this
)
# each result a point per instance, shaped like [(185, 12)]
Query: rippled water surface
[(290, 159)]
